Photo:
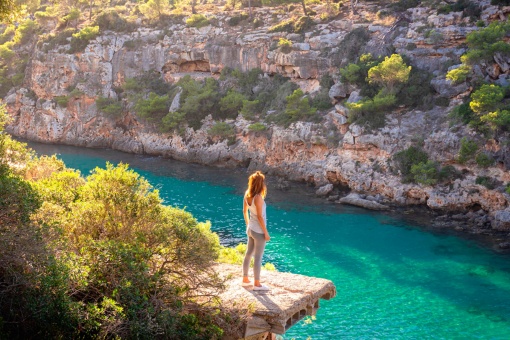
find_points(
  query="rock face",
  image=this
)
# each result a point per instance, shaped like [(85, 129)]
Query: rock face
[(328, 155), (355, 199), (291, 297)]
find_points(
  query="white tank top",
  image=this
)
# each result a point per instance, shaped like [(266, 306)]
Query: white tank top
[(254, 222)]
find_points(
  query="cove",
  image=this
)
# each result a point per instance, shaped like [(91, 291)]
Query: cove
[(394, 279)]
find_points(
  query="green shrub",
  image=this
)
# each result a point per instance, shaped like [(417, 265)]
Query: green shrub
[(284, 26), (235, 20), (25, 31), (257, 127), (152, 108), (231, 104), (222, 130), (197, 20), (484, 160), (405, 159), (173, 120), (297, 108), (391, 73), (484, 43), (370, 112), (7, 34), (293, 25), (62, 101), (285, 45), (250, 109), (109, 106), (459, 74), (110, 20), (425, 173), (17, 79), (487, 98), (468, 149), (448, 173), (462, 113), (199, 99), (81, 39), (487, 182)]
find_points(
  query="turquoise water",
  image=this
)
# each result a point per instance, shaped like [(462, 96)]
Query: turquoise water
[(394, 280)]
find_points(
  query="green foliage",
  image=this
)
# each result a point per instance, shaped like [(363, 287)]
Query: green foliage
[(390, 73), (231, 104), (222, 130), (152, 108), (462, 113), (293, 25), (155, 9), (484, 43), (199, 99), (173, 120), (25, 31), (285, 45), (351, 73), (257, 127), (109, 106), (250, 109), (81, 39), (425, 173), (405, 160), (484, 160), (112, 21), (197, 20), (62, 101), (487, 182), (468, 149), (235, 20), (417, 92), (507, 189), (486, 98), (370, 112), (297, 108), (459, 74), (50, 41)]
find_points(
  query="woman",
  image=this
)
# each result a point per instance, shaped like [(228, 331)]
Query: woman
[(256, 227)]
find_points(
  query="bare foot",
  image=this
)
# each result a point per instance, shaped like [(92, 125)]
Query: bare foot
[(246, 280)]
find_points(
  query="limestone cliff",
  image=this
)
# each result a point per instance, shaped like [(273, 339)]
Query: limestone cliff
[(356, 158)]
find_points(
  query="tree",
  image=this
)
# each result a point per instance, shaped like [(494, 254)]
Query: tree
[(390, 73), (486, 98), (155, 9), (8, 10)]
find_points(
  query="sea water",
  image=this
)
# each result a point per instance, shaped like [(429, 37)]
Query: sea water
[(394, 279)]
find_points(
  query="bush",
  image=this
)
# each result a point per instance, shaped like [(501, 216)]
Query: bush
[(462, 113), (25, 31), (459, 74), (484, 43), (487, 182), (425, 173), (197, 20), (231, 104), (62, 101), (293, 25), (390, 73), (257, 127), (153, 108), (81, 39), (199, 99), (110, 20), (173, 120), (109, 106), (484, 160), (405, 159), (297, 108), (371, 112), (250, 109), (487, 98), (222, 130), (468, 149), (448, 173), (235, 20), (285, 45)]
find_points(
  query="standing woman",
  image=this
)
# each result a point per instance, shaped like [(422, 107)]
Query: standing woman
[(256, 227)]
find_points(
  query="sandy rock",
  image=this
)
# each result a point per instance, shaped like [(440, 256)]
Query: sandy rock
[(324, 190), (355, 199)]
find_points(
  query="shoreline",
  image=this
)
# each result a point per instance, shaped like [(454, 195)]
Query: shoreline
[(419, 216)]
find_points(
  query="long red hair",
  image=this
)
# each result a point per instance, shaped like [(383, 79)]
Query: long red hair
[(256, 185)]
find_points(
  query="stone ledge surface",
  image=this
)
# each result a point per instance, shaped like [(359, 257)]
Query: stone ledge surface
[(291, 297)]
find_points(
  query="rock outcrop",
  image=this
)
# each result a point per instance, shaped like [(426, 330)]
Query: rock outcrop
[(291, 298)]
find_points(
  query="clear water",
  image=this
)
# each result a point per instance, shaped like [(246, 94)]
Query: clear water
[(394, 280)]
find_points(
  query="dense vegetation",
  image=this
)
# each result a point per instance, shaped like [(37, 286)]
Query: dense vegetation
[(100, 256)]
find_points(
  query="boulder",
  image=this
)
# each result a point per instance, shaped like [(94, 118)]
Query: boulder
[(338, 91), (324, 190), (446, 89), (501, 220), (354, 97), (355, 199)]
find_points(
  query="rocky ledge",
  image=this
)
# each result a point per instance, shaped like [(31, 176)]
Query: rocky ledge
[(291, 297)]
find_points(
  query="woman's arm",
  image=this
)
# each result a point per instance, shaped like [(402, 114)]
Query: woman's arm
[(245, 212), (258, 204)]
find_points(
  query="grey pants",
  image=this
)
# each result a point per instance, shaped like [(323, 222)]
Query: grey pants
[(256, 245)]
